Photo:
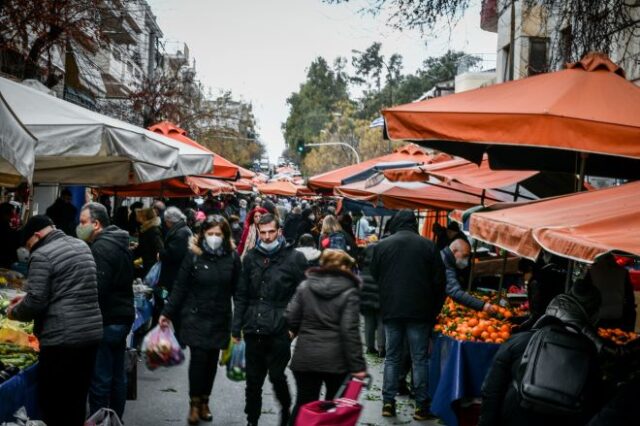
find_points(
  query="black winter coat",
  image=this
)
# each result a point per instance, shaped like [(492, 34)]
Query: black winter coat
[(149, 244), (324, 313), (62, 292), (176, 246), (409, 271), (370, 293), (201, 298), (291, 224), (267, 284), (114, 265)]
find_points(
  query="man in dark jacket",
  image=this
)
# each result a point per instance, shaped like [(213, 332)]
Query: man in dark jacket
[(114, 263), (62, 298), (409, 271), (176, 246), (456, 258), (271, 272), (370, 306), (307, 222), (64, 213), (291, 224)]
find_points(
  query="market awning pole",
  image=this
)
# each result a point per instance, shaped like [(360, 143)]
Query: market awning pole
[(471, 262), (484, 192), (504, 270)]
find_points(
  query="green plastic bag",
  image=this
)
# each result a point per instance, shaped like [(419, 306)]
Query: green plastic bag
[(236, 370)]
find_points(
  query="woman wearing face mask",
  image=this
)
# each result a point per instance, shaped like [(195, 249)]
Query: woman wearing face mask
[(201, 297), (249, 237)]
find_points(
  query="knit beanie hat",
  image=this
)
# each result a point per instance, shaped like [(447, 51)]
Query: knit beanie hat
[(35, 224)]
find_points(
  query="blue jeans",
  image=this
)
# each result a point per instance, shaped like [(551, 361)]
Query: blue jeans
[(109, 382), (417, 335)]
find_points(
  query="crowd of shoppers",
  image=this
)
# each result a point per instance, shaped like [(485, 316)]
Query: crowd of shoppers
[(269, 272)]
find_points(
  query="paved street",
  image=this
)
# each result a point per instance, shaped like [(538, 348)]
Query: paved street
[(163, 400)]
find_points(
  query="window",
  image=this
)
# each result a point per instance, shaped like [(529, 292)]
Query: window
[(537, 56), (566, 40)]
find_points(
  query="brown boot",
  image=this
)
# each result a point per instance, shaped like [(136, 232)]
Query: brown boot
[(205, 413), (194, 412)]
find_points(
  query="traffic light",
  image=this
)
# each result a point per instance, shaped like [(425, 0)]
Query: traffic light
[(301, 149)]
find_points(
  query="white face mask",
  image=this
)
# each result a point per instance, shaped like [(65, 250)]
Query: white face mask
[(213, 241), (269, 246), (462, 263)]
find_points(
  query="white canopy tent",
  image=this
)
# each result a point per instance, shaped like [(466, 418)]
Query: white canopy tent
[(79, 146), (17, 148)]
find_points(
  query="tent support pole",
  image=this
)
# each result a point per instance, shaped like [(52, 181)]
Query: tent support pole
[(583, 165), (471, 262), (504, 270), (484, 193)]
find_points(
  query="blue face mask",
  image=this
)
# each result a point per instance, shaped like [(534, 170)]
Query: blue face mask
[(270, 246)]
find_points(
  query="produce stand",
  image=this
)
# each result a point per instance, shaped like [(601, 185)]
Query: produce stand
[(456, 372), (20, 391)]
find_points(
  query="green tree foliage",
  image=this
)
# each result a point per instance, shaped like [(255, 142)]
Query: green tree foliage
[(311, 106)]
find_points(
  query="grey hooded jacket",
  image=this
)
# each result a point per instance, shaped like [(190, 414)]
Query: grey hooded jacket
[(62, 292), (325, 313)]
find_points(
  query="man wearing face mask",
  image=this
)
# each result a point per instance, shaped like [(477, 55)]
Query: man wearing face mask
[(455, 258), (62, 298), (114, 262), (271, 272)]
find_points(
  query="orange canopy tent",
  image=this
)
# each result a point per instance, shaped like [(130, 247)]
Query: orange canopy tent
[(417, 195), (187, 186), (580, 226), (284, 188), (461, 171), (408, 153), (243, 184), (549, 122), (222, 168), (246, 173)]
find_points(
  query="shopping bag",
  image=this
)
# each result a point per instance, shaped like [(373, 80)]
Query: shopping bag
[(22, 419), (161, 348), (225, 355), (104, 417), (153, 276), (342, 411), (236, 368)]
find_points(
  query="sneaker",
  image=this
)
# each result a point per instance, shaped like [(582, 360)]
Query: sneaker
[(389, 409), (423, 413)]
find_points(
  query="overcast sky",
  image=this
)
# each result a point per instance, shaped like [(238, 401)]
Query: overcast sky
[(260, 49)]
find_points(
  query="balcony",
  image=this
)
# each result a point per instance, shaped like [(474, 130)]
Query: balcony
[(489, 16)]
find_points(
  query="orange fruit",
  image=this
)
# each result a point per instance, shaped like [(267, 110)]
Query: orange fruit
[(505, 327), (504, 335), (473, 322), (499, 341), (488, 341), (493, 336), (477, 331), (484, 335), (491, 329)]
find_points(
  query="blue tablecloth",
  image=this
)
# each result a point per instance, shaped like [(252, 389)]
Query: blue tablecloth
[(20, 391), (457, 370)]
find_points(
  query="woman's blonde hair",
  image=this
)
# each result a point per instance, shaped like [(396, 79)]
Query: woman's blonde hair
[(145, 214), (330, 225), (338, 259)]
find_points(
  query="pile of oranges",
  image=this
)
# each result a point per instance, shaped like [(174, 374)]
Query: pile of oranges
[(465, 324), (616, 335)]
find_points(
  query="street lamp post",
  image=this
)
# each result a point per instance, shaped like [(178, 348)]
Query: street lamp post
[(338, 144)]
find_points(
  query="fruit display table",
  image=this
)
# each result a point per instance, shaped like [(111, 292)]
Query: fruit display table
[(456, 372), (19, 391)]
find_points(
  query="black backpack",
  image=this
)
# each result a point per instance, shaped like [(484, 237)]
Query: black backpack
[(558, 372)]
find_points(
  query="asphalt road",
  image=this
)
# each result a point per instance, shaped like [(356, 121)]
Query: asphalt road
[(163, 400)]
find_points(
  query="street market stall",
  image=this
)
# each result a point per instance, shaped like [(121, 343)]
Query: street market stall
[(580, 120)]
